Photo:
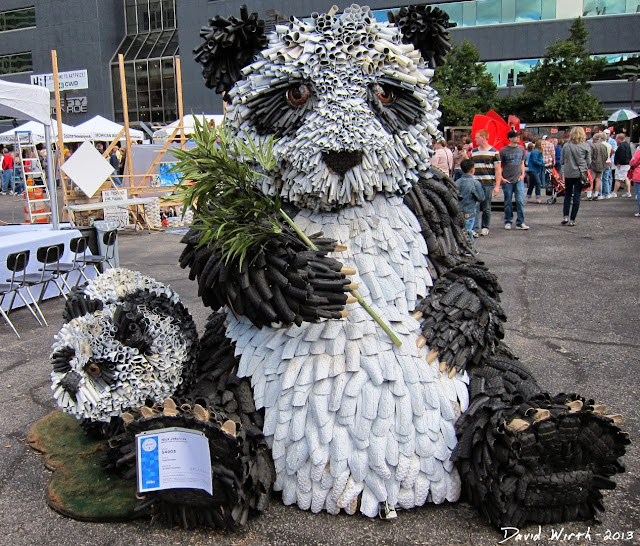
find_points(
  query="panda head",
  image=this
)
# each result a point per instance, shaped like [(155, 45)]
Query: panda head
[(128, 341), (347, 97)]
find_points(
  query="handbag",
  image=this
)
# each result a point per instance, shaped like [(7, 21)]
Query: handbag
[(585, 180)]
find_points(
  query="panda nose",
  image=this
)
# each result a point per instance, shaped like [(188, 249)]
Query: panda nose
[(70, 382), (341, 162)]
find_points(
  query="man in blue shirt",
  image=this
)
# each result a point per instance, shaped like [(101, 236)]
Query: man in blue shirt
[(513, 171)]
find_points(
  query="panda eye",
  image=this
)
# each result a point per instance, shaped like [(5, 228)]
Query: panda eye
[(298, 94), (93, 369), (384, 94), (61, 360)]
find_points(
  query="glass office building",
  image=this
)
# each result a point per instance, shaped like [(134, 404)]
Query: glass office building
[(511, 35)]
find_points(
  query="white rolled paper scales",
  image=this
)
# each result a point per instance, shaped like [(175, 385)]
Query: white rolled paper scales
[(325, 87), (135, 343)]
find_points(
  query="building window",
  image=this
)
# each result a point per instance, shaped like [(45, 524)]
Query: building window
[(16, 63), (610, 7), (150, 15), (15, 19), (620, 66), (149, 51)]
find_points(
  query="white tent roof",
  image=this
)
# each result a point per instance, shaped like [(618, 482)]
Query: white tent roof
[(19, 100), (104, 129), (188, 124), (69, 133)]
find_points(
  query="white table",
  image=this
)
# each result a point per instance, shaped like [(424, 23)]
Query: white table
[(17, 238), (118, 203)]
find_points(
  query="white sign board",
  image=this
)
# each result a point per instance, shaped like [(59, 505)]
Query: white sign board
[(173, 458), (119, 214), (74, 79), (87, 168)]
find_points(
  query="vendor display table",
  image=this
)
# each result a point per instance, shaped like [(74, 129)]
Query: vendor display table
[(137, 202), (17, 238)]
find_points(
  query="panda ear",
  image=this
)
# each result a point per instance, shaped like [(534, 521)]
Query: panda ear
[(79, 304), (229, 45), (426, 28)]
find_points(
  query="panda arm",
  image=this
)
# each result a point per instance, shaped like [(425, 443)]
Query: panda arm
[(461, 318), (282, 282)]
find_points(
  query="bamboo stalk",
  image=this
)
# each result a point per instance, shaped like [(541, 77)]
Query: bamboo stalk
[(354, 293)]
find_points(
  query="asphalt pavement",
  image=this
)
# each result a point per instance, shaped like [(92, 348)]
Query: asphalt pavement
[(572, 298)]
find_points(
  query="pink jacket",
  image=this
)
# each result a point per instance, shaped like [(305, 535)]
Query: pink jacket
[(634, 174), (443, 159)]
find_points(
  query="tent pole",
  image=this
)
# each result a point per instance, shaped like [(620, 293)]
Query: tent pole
[(125, 112), (56, 92), (180, 106), (51, 180)]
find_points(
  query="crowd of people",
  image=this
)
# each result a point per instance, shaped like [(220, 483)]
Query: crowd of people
[(13, 166), (606, 160)]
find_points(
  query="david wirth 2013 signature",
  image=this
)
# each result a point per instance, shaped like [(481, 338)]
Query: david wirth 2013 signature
[(513, 534)]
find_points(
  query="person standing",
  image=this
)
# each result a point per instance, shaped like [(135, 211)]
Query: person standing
[(471, 193), (558, 152), (115, 163), (488, 171), (122, 164), (549, 155), (458, 156), (607, 175), (634, 176), (512, 160), (535, 170), (7, 172), (598, 162), (621, 160), (442, 158), (576, 158)]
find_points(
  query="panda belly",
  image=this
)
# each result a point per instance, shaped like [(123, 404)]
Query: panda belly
[(349, 416)]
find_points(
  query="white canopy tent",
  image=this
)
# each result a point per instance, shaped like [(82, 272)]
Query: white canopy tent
[(100, 128), (19, 100), (37, 130), (188, 124)]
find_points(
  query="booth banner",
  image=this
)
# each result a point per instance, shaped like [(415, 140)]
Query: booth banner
[(119, 214), (168, 178), (173, 458)]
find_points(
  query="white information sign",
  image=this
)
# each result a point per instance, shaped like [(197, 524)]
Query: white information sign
[(87, 168), (120, 214), (173, 458), (73, 79)]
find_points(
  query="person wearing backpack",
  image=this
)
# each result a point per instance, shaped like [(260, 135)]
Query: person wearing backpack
[(621, 161)]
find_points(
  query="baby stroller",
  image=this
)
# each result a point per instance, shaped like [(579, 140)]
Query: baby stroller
[(556, 188)]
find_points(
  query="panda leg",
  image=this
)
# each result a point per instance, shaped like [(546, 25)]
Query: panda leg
[(527, 457)]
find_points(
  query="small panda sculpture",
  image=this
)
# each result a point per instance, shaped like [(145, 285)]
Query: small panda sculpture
[(354, 422), (127, 339)]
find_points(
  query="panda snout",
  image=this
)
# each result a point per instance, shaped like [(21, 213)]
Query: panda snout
[(341, 162), (70, 382)]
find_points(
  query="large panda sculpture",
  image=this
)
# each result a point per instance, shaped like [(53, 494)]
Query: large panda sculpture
[(353, 421)]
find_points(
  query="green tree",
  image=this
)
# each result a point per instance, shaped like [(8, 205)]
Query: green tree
[(464, 85), (557, 88)]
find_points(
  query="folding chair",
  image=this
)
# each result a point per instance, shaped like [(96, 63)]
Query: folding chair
[(46, 255), (109, 240), (17, 264), (78, 246)]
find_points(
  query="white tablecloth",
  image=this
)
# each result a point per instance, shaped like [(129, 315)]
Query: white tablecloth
[(15, 239)]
